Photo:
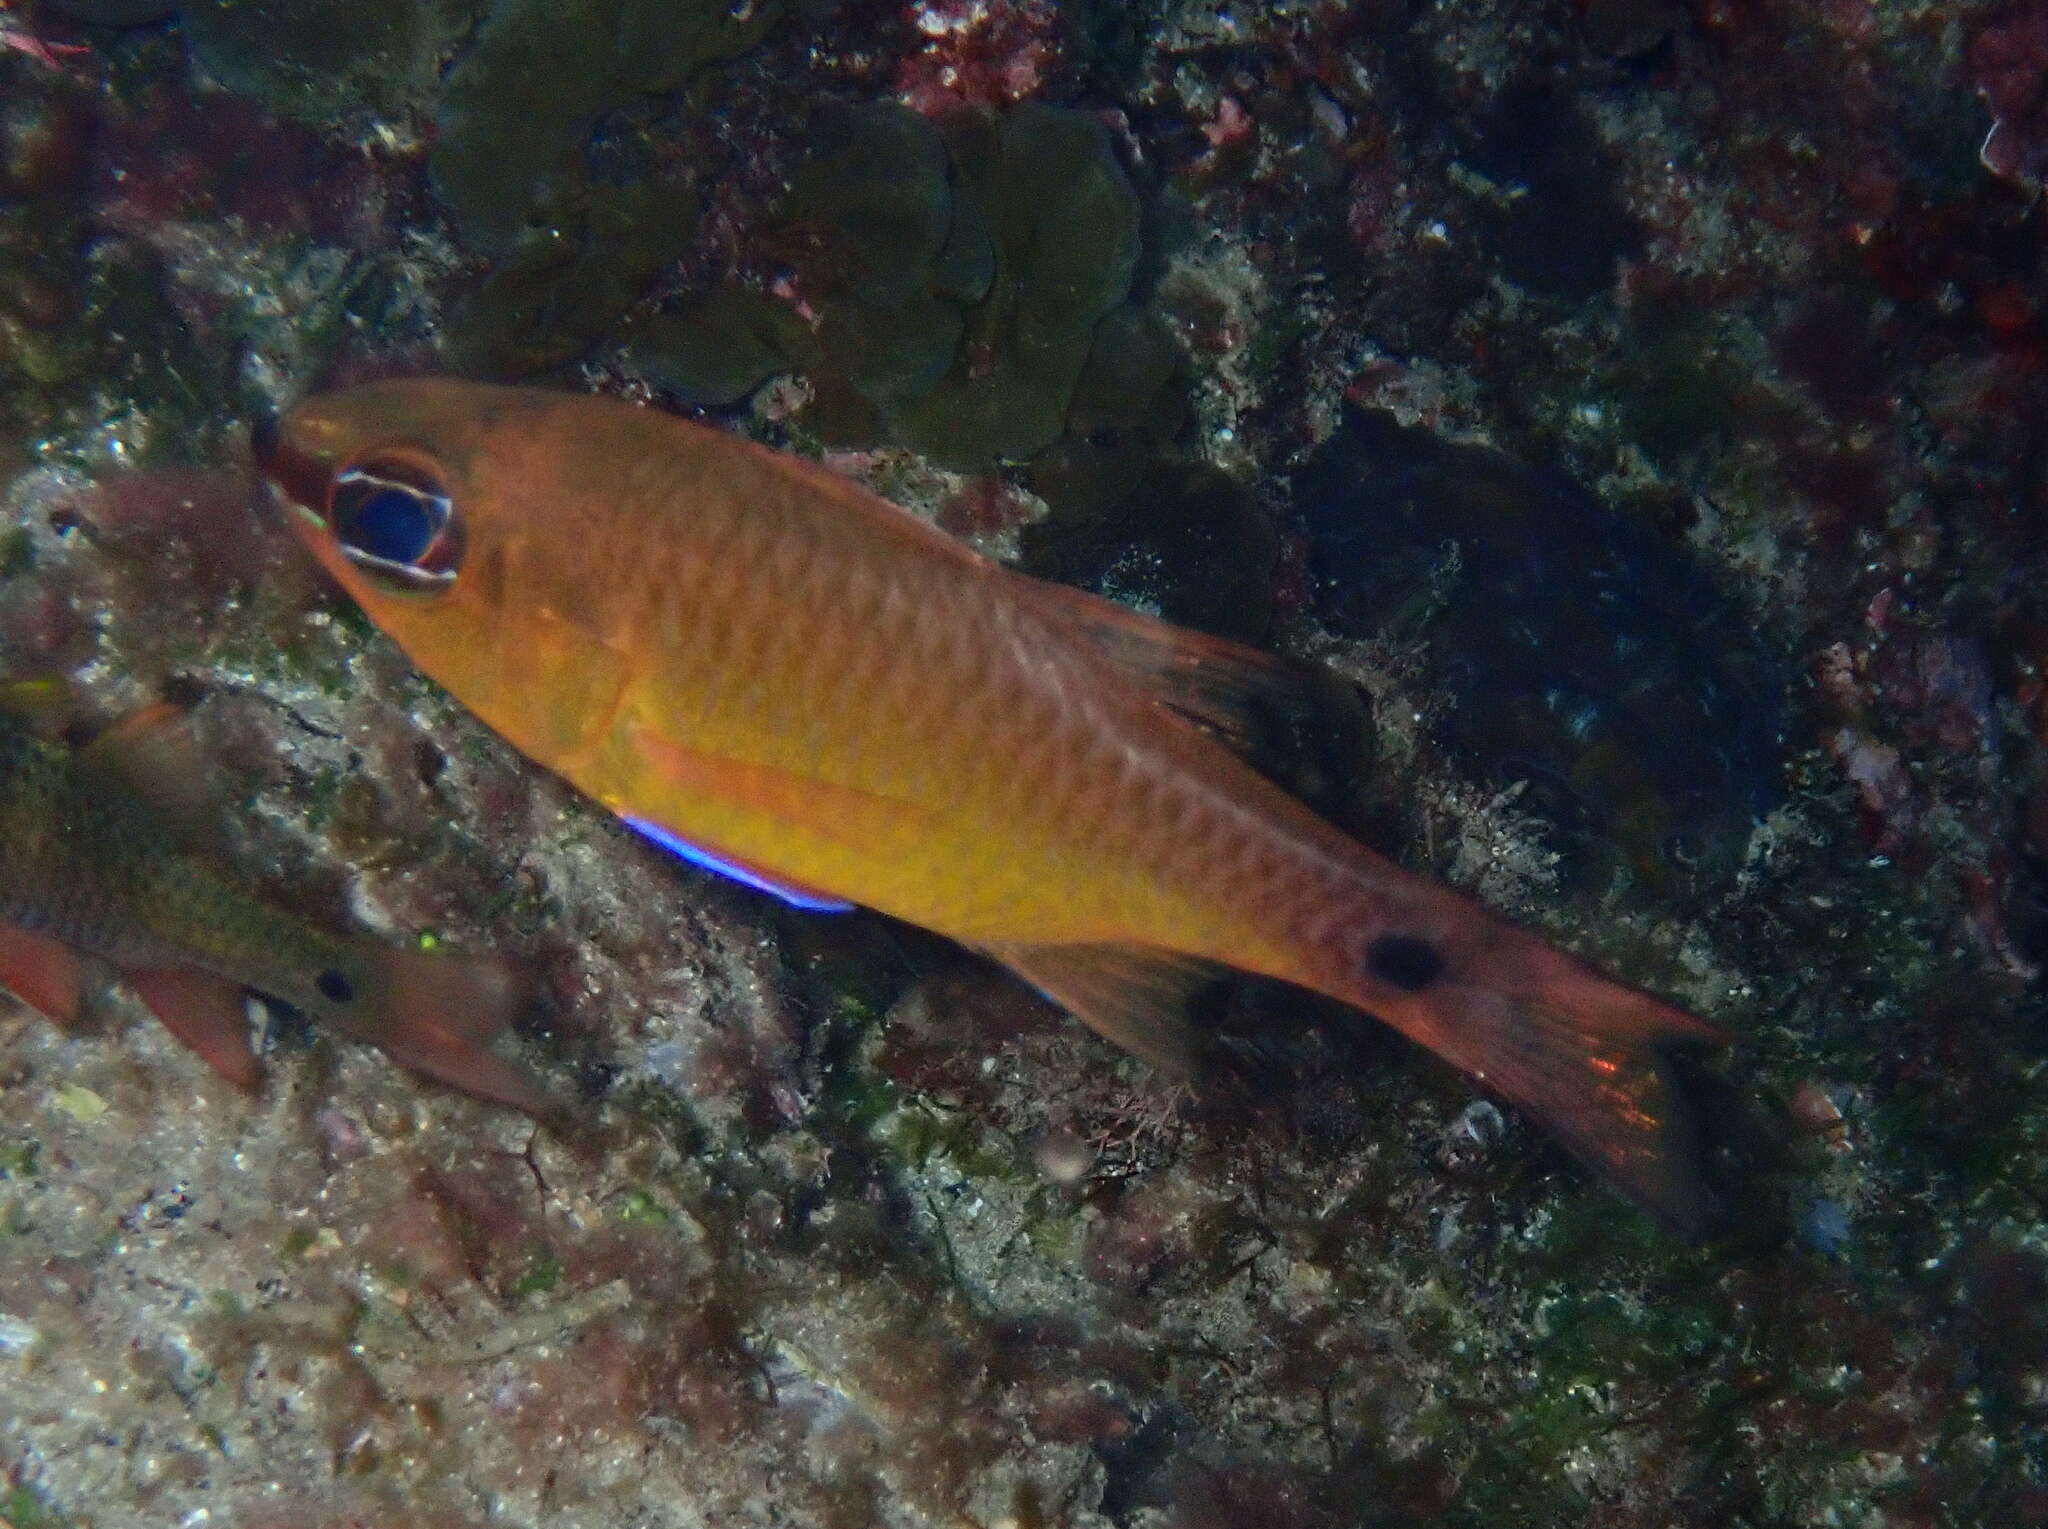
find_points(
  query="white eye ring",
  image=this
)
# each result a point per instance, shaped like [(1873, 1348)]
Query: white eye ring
[(434, 566)]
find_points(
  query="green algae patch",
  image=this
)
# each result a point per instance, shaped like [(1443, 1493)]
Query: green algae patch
[(542, 1274), (577, 235), (1063, 226), (21, 1508), (84, 315), (121, 337), (640, 1208), (965, 290), (718, 352), (322, 60), (516, 108), (19, 1159), (568, 286)]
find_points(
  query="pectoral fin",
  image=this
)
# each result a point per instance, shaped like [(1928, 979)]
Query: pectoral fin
[(1125, 993), (583, 678)]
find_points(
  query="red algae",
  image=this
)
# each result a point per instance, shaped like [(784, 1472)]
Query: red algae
[(2008, 64), (978, 53)]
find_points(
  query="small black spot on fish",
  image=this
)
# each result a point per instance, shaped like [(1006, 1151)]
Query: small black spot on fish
[(1403, 961), (335, 987)]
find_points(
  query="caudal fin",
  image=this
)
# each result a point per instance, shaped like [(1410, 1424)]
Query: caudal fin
[(1589, 1057), (446, 1016)]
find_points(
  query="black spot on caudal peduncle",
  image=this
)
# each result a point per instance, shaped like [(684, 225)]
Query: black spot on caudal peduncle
[(1403, 961), (334, 986)]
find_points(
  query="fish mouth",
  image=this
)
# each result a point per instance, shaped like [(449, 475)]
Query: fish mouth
[(300, 477), (266, 434)]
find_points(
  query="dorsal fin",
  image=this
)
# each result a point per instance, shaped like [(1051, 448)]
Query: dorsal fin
[(1129, 994), (150, 754), (153, 754), (1239, 694)]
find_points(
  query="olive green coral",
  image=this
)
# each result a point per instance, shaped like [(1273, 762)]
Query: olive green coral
[(516, 108), (316, 60), (960, 280), (513, 165), (1064, 222), (567, 286)]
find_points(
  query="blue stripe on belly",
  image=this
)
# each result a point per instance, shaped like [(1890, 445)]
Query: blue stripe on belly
[(794, 896)]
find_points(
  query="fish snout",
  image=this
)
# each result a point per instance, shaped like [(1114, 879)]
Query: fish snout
[(266, 434), (301, 476)]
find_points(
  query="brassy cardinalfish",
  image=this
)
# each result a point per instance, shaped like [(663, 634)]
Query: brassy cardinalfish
[(759, 663), (100, 855)]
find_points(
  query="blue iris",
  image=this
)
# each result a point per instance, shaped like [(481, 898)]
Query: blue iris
[(394, 525)]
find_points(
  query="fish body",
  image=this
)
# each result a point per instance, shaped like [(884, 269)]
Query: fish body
[(748, 652), (93, 864)]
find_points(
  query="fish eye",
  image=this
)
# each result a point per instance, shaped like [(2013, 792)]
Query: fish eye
[(393, 517), (334, 986)]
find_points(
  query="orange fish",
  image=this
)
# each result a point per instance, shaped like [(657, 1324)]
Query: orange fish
[(741, 651)]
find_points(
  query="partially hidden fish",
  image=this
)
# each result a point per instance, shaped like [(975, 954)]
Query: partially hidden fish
[(742, 652), (100, 856)]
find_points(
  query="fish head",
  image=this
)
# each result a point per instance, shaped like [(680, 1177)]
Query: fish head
[(385, 482), (449, 512)]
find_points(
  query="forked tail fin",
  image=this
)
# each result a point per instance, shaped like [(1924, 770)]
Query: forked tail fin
[(444, 1016), (1589, 1057)]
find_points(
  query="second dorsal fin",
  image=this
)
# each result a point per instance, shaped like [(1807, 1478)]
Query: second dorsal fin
[(1262, 705)]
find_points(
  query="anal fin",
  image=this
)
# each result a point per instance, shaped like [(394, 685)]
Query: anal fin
[(1129, 994), (42, 972), (206, 1012)]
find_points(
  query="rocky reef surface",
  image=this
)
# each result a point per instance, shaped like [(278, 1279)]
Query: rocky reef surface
[(1636, 402)]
